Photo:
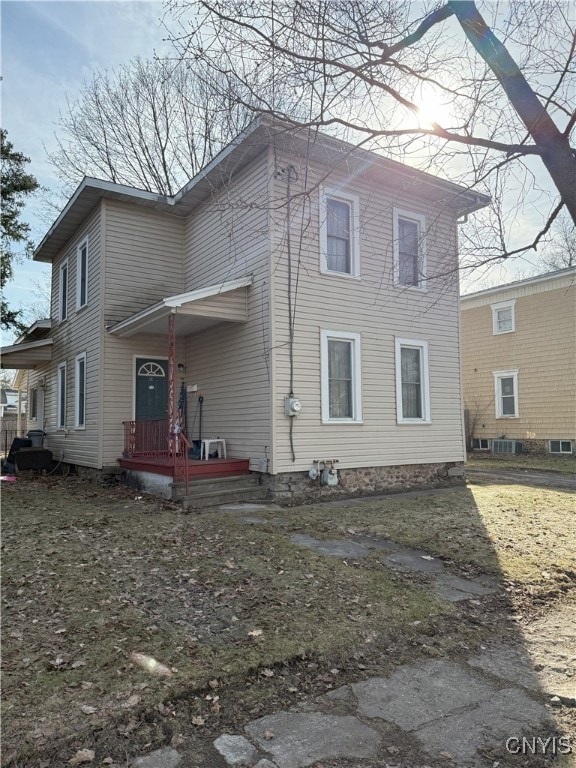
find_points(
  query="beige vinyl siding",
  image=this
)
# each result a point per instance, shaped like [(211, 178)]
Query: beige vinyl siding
[(143, 265), (377, 310), (80, 332), (226, 238), (542, 349)]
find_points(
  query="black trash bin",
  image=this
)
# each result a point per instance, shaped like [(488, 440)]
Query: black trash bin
[(37, 437)]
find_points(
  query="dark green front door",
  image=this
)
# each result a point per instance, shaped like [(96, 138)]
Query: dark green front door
[(151, 389)]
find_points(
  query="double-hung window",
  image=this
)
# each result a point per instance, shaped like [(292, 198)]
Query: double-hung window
[(63, 292), (341, 377), (82, 275), (34, 404), (503, 317), (412, 382), (409, 249), (506, 394), (61, 396), (339, 233), (80, 391)]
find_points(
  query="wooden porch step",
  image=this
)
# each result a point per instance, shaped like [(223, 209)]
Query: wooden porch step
[(197, 469), (225, 490)]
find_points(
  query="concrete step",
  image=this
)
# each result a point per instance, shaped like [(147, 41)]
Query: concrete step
[(218, 485), (229, 496)]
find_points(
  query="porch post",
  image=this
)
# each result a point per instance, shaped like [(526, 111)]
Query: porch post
[(171, 371)]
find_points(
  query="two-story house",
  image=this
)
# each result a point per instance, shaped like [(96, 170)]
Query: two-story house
[(287, 298), (519, 365)]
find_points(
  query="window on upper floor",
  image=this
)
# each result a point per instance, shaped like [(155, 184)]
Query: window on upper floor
[(82, 275), (506, 394), (63, 292), (80, 391), (504, 317), (339, 233), (412, 382), (61, 396), (409, 249), (341, 377)]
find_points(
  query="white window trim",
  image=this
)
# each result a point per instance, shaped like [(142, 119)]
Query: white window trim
[(81, 245), (557, 453), (333, 193), (495, 309), (325, 337), (77, 424), (425, 363), (498, 376), (63, 306), (61, 416), (420, 219)]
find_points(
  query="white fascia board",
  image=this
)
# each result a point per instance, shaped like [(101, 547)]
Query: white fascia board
[(26, 346)]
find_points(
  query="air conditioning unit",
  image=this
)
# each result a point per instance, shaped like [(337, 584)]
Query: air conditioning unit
[(506, 446)]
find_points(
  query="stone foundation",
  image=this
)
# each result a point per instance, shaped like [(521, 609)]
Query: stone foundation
[(105, 476), (363, 481)]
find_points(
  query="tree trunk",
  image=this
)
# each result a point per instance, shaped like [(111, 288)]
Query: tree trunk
[(555, 150)]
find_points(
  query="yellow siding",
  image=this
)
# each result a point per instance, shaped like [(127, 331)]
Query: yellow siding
[(542, 348), (227, 238), (373, 307), (80, 332)]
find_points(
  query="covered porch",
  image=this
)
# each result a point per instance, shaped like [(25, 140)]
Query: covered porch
[(156, 439)]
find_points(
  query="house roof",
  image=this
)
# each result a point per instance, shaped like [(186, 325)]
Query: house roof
[(26, 355), (245, 147), (559, 274), (195, 310)]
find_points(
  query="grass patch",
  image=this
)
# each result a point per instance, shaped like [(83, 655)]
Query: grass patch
[(522, 462)]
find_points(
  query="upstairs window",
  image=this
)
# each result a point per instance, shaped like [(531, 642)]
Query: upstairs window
[(506, 393), (82, 275), (339, 233), (63, 293), (503, 317), (409, 249)]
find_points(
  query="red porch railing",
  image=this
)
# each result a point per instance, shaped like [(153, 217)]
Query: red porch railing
[(154, 438)]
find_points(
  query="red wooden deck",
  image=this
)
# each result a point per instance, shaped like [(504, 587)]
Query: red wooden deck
[(197, 470)]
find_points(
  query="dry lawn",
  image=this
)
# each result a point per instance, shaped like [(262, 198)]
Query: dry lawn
[(245, 620)]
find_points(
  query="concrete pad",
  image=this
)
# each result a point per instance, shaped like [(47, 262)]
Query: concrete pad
[(236, 750), (249, 507), (377, 542), (253, 520), (453, 588), (265, 763), (515, 664), (161, 758), (488, 724), (413, 560), (419, 693), (299, 740), (339, 548)]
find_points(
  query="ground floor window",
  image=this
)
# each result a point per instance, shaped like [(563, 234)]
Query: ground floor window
[(412, 381), (341, 377), (560, 446), (480, 444), (61, 396), (506, 394), (80, 391)]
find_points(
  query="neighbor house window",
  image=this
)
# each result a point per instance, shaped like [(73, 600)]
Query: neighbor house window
[(82, 275), (80, 391), (341, 377), (34, 404), (503, 317), (61, 396), (560, 446), (339, 233), (409, 249), (506, 393), (480, 444), (412, 382), (63, 292)]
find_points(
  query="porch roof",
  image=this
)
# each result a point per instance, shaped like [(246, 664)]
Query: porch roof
[(194, 310), (27, 355)]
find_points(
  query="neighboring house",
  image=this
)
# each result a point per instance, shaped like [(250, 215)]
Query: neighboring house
[(8, 401), (290, 266), (519, 365)]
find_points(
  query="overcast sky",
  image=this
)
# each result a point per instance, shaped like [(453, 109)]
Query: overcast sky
[(48, 50)]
